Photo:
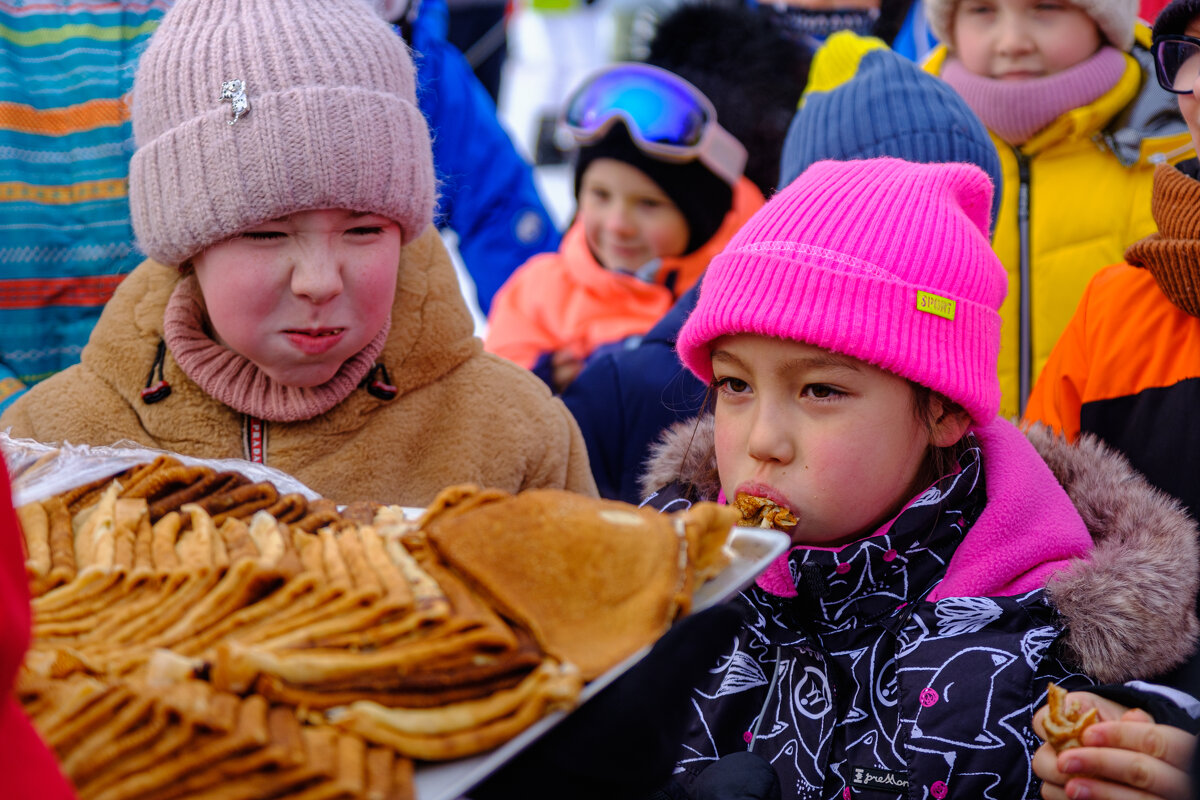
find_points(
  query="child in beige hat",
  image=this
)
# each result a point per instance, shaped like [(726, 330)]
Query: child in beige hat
[(1066, 89), (297, 307)]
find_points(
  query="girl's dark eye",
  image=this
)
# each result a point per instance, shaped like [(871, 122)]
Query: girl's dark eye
[(821, 391), (366, 230), (735, 385), (263, 235)]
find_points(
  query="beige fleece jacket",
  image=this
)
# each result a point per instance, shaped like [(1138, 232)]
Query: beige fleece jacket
[(461, 415)]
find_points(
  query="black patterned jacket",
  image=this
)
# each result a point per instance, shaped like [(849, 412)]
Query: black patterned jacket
[(860, 688)]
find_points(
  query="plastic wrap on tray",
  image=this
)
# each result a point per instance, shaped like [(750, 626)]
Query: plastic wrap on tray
[(39, 470)]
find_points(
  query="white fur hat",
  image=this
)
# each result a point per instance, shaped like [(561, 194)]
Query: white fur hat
[(1115, 18)]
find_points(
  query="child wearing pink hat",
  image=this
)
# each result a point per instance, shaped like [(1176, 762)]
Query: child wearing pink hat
[(297, 307), (849, 334)]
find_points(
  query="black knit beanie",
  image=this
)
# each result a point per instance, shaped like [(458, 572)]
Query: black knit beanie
[(1174, 18), (701, 196), (746, 65)]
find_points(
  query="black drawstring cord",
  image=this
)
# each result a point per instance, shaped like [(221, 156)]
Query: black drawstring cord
[(379, 383), (157, 389)]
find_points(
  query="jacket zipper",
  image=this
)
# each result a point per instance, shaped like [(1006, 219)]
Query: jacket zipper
[(762, 713), (254, 439), (1025, 361)]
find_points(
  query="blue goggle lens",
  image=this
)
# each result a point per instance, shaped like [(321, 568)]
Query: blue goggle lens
[(656, 108)]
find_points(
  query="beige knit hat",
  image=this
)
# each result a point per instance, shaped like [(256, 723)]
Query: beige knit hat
[(248, 110), (1114, 18)]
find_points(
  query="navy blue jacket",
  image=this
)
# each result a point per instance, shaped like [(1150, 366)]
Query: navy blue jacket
[(627, 395)]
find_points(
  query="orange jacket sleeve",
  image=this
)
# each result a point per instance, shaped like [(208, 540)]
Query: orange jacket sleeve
[(1057, 395)]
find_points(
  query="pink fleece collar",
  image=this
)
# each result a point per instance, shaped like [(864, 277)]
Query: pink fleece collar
[(1016, 110), (1028, 530)]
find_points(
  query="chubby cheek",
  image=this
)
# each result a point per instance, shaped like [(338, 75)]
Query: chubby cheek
[(375, 292), (601, 238), (668, 237), (970, 45), (848, 492), (728, 443), (591, 218), (1189, 108), (828, 472), (238, 305), (373, 314)]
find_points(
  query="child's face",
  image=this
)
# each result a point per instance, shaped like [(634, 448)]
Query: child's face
[(627, 219), (300, 295), (1189, 106), (834, 439), (1022, 39)]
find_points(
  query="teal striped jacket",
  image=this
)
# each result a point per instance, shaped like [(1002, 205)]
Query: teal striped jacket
[(66, 69)]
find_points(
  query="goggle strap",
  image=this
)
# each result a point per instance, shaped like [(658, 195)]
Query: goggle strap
[(722, 153)]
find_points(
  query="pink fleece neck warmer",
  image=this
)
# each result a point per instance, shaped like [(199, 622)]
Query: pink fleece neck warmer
[(238, 382), (1016, 110), (1028, 530)]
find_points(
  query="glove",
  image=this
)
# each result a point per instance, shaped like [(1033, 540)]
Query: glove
[(738, 776), (623, 742)]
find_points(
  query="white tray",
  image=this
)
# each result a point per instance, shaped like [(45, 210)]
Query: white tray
[(753, 549)]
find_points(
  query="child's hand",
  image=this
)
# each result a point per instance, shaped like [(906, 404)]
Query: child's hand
[(1126, 756)]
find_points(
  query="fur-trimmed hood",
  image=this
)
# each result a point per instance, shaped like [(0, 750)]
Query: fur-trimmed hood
[(1129, 608)]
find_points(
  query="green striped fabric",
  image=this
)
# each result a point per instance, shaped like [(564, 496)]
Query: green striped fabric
[(66, 69)]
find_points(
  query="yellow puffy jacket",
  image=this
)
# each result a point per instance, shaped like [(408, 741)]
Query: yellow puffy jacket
[(1074, 197)]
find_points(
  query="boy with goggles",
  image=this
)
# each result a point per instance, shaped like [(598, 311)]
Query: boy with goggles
[(660, 190), (1125, 371)]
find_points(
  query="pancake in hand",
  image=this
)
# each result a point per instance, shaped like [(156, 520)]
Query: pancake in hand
[(1064, 723)]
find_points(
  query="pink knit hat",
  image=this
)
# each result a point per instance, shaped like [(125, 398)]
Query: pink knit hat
[(248, 110), (883, 260)]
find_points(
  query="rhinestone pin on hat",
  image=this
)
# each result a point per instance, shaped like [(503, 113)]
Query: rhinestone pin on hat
[(235, 92)]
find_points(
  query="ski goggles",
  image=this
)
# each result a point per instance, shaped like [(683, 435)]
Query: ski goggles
[(666, 116), (1176, 62)]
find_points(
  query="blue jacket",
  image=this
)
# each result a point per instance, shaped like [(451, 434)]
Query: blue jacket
[(627, 395), (486, 193)]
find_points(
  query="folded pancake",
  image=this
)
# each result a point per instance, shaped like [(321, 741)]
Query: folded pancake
[(592, 580), (209, 483), (465, 728), (35, 529), (1064, 723)]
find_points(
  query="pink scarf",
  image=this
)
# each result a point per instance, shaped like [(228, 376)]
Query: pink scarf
[(237, 381), (1016, 110)]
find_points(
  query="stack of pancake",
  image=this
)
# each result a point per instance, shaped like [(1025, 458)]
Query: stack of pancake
[(119, 740), (264, 646)]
